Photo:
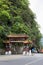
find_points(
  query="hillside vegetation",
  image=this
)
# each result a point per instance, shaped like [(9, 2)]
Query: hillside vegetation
[(17, 17)]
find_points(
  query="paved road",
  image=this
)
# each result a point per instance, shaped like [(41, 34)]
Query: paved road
[(36, 59)]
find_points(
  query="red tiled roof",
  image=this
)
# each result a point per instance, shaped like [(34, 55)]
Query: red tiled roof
[(25, 42), (6, 41), (28, 42), (17, 35)]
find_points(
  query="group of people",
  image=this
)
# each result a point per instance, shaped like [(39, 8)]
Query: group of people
[(26, 51)]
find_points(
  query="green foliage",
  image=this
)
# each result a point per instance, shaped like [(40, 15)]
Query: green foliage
[(1, 43), (20, 28), (17, 17)]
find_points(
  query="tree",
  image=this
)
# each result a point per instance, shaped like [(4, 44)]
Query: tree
[(17, 17)]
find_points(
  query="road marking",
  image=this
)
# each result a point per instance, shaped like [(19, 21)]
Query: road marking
[(33, 62)]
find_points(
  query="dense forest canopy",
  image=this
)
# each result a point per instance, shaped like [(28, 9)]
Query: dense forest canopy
[(17, 17)]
